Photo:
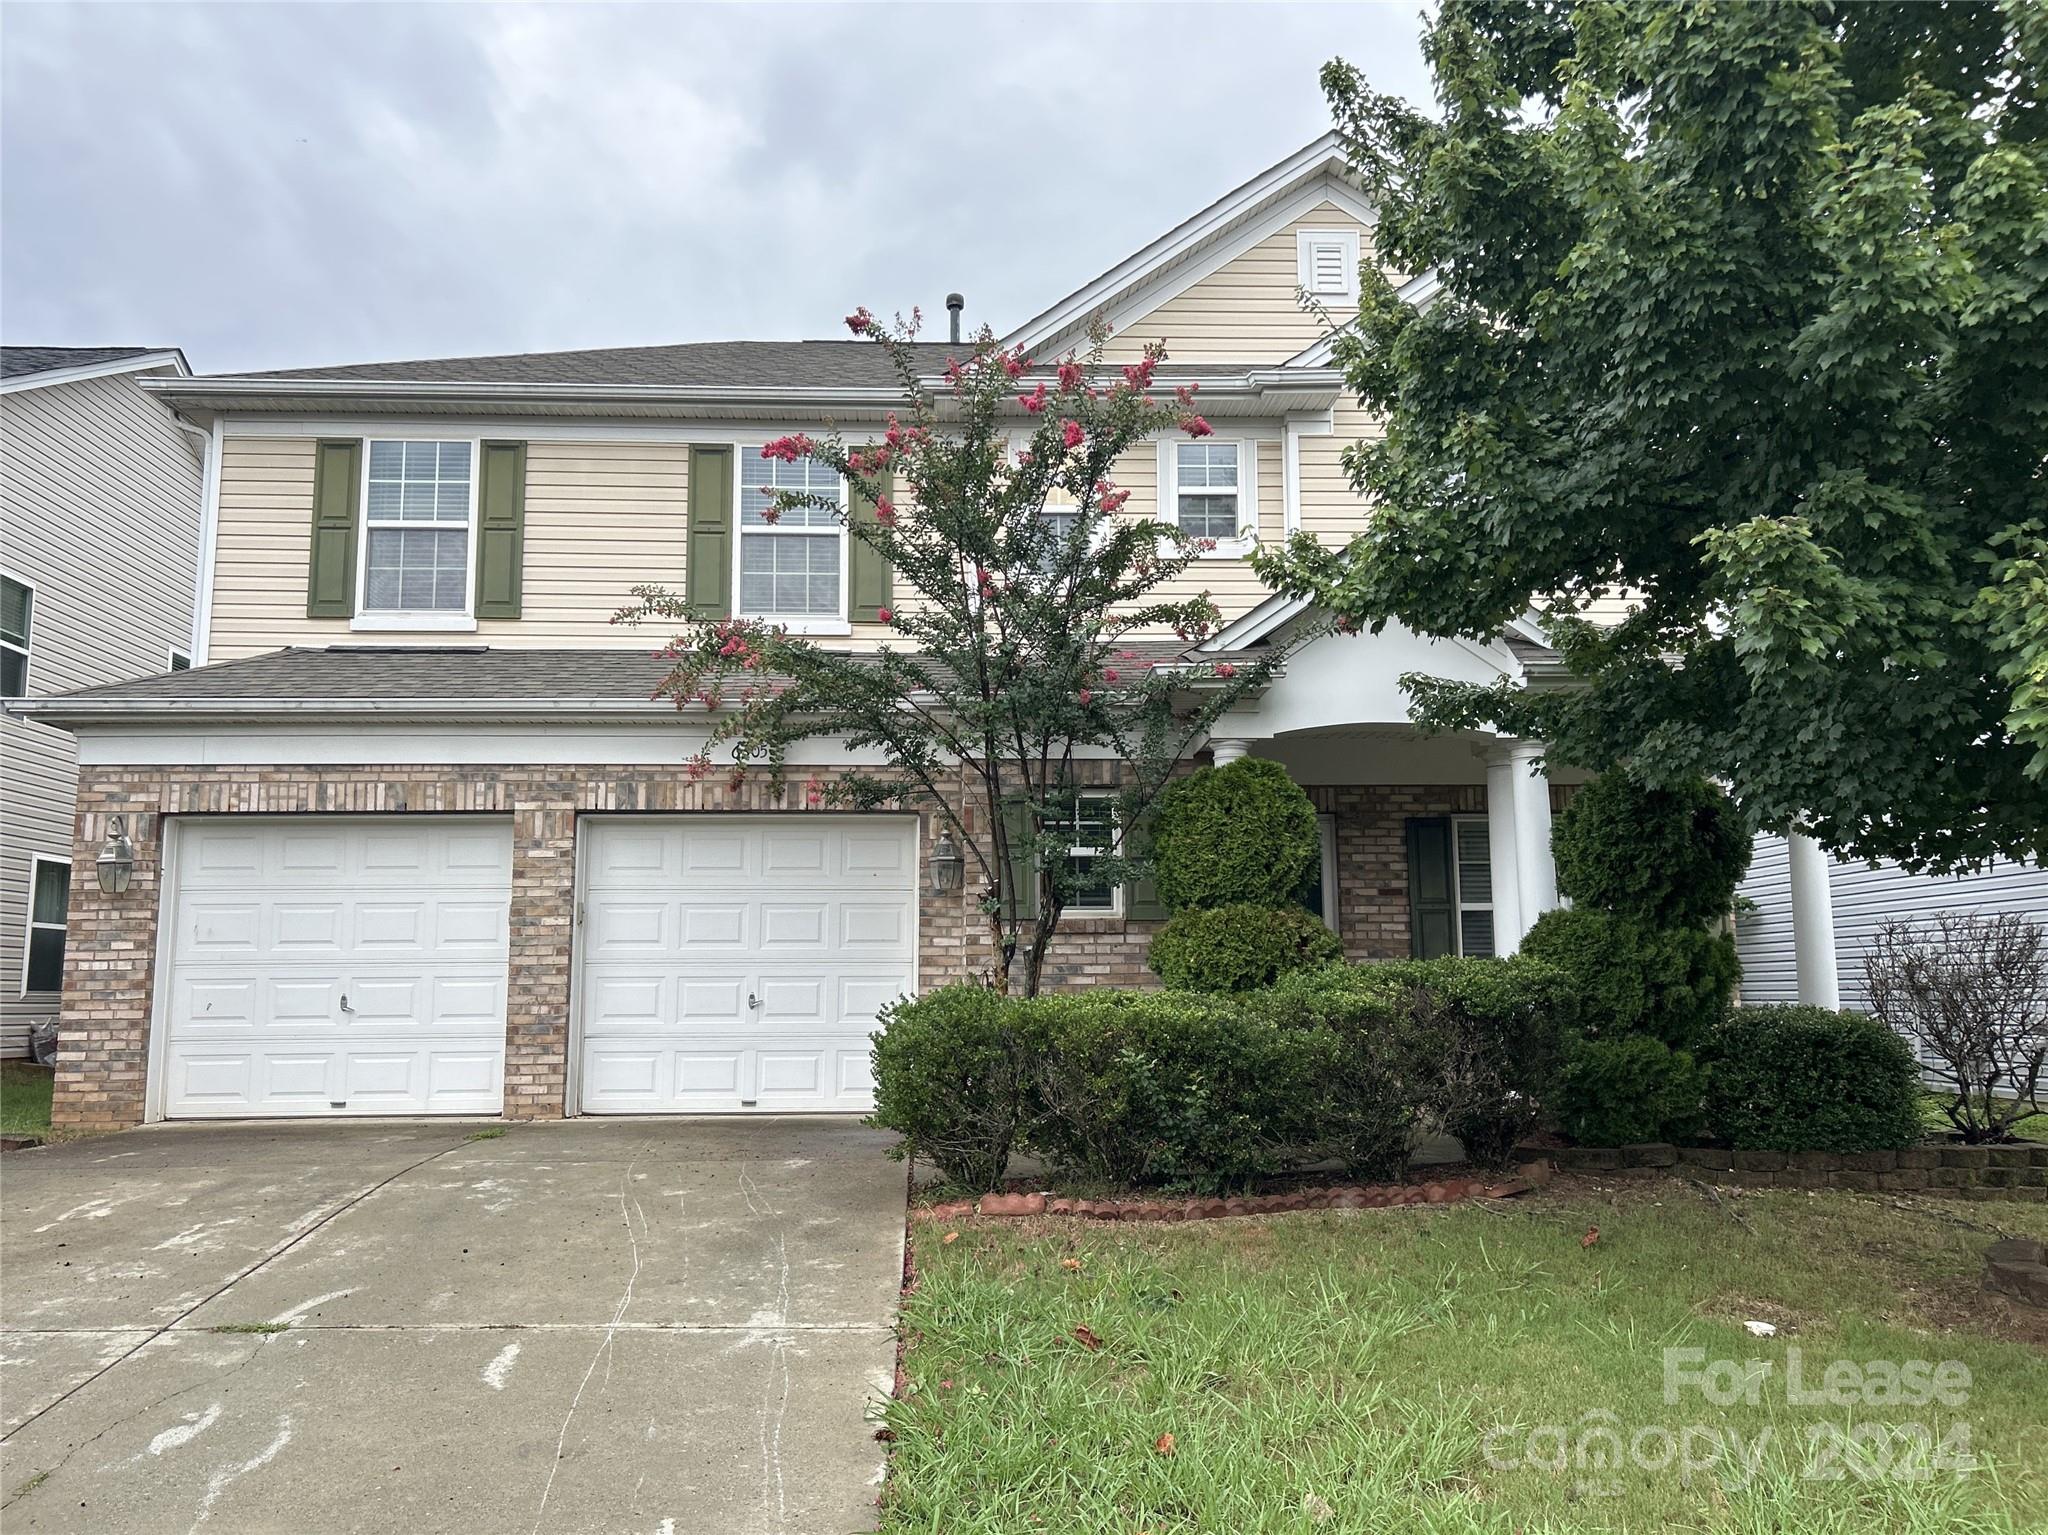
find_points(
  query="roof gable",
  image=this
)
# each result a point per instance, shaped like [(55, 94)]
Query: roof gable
[(1200, 246), (38, 367)]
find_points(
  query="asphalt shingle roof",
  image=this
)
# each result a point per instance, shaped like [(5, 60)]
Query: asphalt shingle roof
[(755, 364), (20, 361), (423, 674)]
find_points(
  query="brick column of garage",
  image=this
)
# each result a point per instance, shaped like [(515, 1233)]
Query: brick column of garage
[(542, 921), (109, 971)]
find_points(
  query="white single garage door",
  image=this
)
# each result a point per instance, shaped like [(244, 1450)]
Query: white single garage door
[(327, 966), (738, 962)]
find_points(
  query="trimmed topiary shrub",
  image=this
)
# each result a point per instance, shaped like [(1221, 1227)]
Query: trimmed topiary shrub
[(1170, 1086), (1807, 1079), (1239, 948), (1242, 834), (1668, 857), (1671, 983), (1626, 1090), (949, 1078)]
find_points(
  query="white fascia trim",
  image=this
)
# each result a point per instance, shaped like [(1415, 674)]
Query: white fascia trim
[(1326, 153), (1417, 291), (146, 362), (1128, 310), (1297, 425), (1240, 633), (1530, 627)]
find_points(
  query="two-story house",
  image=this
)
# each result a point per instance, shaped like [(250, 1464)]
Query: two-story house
[(99, 535), (415, 839)]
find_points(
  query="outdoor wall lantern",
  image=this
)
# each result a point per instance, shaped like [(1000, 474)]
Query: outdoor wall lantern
[(116, 863), (946, 865)]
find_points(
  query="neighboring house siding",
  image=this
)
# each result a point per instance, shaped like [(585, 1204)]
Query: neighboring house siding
[(1864, 899), (99, 512), (1245, 311)]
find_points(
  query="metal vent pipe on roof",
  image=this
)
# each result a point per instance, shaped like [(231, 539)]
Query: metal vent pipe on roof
[(954, 304)]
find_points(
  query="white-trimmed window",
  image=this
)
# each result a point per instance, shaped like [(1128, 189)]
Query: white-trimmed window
[(1209, 488), (1319, 895), (17, 619), (419, 520), (49, 904), (1472, 865), (793, 567), (1090, 829), (1326, 263)]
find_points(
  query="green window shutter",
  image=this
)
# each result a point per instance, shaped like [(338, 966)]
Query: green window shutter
[(501, 530), (1432, 902), (331, 562), (1023, 872), (868, 576), (707, 578), (1141, 895)]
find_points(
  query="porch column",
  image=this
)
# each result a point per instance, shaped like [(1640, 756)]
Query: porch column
[(1535, 870), (1229, 748), (1813, 922), (1508, 926)]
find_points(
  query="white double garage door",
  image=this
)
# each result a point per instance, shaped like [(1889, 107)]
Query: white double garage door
[(352, 966)]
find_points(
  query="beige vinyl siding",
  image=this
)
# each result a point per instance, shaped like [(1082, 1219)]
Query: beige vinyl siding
[(1228, 579), (99, 513), (1330, 509), (601, 518), (1245, 311)]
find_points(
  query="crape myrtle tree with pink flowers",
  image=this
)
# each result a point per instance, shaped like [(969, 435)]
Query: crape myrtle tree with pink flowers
[(1027, 602)]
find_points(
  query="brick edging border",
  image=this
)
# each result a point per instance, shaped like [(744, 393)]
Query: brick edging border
[(2010, 1171), (1352, 1196)]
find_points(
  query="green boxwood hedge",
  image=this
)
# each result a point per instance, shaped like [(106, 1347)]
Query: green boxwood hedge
[(1239, 948), (1668, 857), (1807, 1079), (1670, 983), (1239, 835)]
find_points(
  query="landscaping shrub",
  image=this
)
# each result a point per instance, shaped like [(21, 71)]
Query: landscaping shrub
[(1669, 857), (1239, 948), (1459, 1045), (1630, 1089), (1242, 834), (1671, 983), (1170, 1086), (949, 1078), (1808, 1079)]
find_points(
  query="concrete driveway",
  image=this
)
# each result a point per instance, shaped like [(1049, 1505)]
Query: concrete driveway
[(662, 1326)]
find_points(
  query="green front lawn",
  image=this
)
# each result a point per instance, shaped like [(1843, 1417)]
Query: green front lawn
[(2034, 1127), (25, 1098), (1339, 1373)]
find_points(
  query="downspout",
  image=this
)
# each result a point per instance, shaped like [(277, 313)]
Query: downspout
[(209, 441)]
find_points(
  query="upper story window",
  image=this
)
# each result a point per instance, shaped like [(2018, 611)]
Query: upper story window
[(17, 616), (418, 513), (791, 567), (1326, 263), (1207, 488)]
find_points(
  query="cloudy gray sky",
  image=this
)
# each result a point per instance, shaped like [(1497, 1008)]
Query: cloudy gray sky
[(280, 185)]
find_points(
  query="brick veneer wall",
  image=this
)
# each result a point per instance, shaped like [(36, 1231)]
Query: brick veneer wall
[(111, 950)]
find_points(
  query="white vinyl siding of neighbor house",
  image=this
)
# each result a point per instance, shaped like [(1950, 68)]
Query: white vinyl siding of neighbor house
[(99, 512), (1864, 898), (1245, 311)]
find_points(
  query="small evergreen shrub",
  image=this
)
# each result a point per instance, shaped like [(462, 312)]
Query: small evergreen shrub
[(1239, 948), (1671, 983), (949, 1078), (1630, 1089), (1170, 1086), (1667, 857), (1242, 834), (1807, 1079), (1372, 1104)]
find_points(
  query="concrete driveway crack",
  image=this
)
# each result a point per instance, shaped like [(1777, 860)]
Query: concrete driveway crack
[(348, 1203)]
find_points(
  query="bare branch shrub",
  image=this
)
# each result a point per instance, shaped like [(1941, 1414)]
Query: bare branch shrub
[(1972, 991)]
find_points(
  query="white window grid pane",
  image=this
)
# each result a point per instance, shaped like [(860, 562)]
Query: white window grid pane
[(416, 570), (416, 482), (1208, 515), (1206, 465), (761, 477), (1475, 933), (17, 613), (796, 576), (51, 899), (1092, 824)]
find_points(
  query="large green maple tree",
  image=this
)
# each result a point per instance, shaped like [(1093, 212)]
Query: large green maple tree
[(1744, 317)]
